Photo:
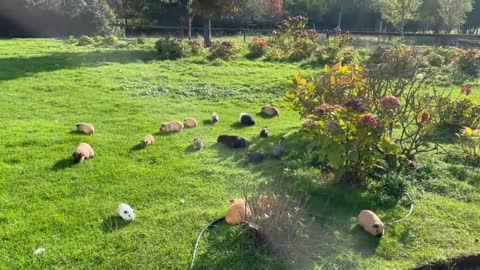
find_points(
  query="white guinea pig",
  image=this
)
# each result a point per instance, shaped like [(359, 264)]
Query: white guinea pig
[(125, 212)]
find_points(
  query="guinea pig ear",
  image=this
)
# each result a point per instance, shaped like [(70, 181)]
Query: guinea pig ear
[(375, 226)]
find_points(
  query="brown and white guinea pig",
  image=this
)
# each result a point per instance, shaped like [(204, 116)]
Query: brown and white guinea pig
[(238, 213), (147, 140), (85, 128), (82, 152), (197, 144), (190, 122), (173, 126), (270, 111), (371, 223), (247, 120), (214, 118), (233, 141)]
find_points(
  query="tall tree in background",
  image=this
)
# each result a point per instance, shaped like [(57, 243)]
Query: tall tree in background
[(398, 12), (314, 10), (473, 19), (341, 5), (427, 15), (210, 9), (453, 13)]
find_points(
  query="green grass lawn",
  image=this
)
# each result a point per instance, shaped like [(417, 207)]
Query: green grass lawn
[(46, 86)]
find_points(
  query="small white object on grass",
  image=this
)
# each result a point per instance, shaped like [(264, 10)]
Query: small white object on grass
[(38, 251), (126, 212), (182, 201)]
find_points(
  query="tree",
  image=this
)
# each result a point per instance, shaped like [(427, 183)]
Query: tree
[(209, 9), (453, 13), (473, 18), (314, 10), (427, 14), (398, 12), (341, 5)]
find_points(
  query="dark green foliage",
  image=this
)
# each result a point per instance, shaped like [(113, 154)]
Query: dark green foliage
[(173, 48), (469, 63), (224, 50), (85, 41), (388, 189)]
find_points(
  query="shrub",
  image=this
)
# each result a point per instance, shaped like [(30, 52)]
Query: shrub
[(278, 223), (85, 41), (469, 63), (435, 59), (395, 62), (196, 47), (98, 39), (224, 50), (331, 53), (470, 144), (460, 112), (111, 40), (257, 47), (72, 40), (172, 48), (304, 44), (274, 54), (352, 114)]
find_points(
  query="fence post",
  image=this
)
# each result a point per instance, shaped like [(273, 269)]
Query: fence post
[(244, 35)]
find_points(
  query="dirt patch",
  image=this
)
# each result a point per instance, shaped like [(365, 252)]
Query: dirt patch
[(459, 263)]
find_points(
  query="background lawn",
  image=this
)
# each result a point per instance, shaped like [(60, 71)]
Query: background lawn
[(46, 86)]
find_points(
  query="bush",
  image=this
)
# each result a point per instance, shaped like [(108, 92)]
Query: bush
[(224, 50), (460, 112), (85, 41), (111, 40), (331, 53), (304, 44), (395, 62), (435, 59), (72, 40), (172, 48), (257, 47), (352, 113), (470, 144), (469, 63), (274, 54), (196, 47)]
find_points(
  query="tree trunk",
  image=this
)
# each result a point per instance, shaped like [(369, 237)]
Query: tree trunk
[(190, 19), (340, 15), (207, 32)]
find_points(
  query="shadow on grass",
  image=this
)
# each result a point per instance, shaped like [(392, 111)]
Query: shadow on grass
[(113, 223), (264, 116), (443, 135), (26, 66), (137, 147), (63, 164), (207, 122)]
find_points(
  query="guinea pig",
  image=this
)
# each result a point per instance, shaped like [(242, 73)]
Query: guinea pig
[(371, 223), (233, 141), (270, 111), (85, 128), (190, 122), (125, 212), (255, 157), (147, 140), (247, 120), (173, 126), (238, 213), (197, 144), (264, 133), (214, 118), (82, 152)]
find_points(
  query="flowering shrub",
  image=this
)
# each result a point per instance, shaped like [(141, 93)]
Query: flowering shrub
[(196, 47), (352, 116), (350, 128), (305, 44), (257, 47), (274, 54), (395, 62), (224, 50)]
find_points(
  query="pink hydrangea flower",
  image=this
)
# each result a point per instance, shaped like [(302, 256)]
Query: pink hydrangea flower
[(370, 120), (390, 105)]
